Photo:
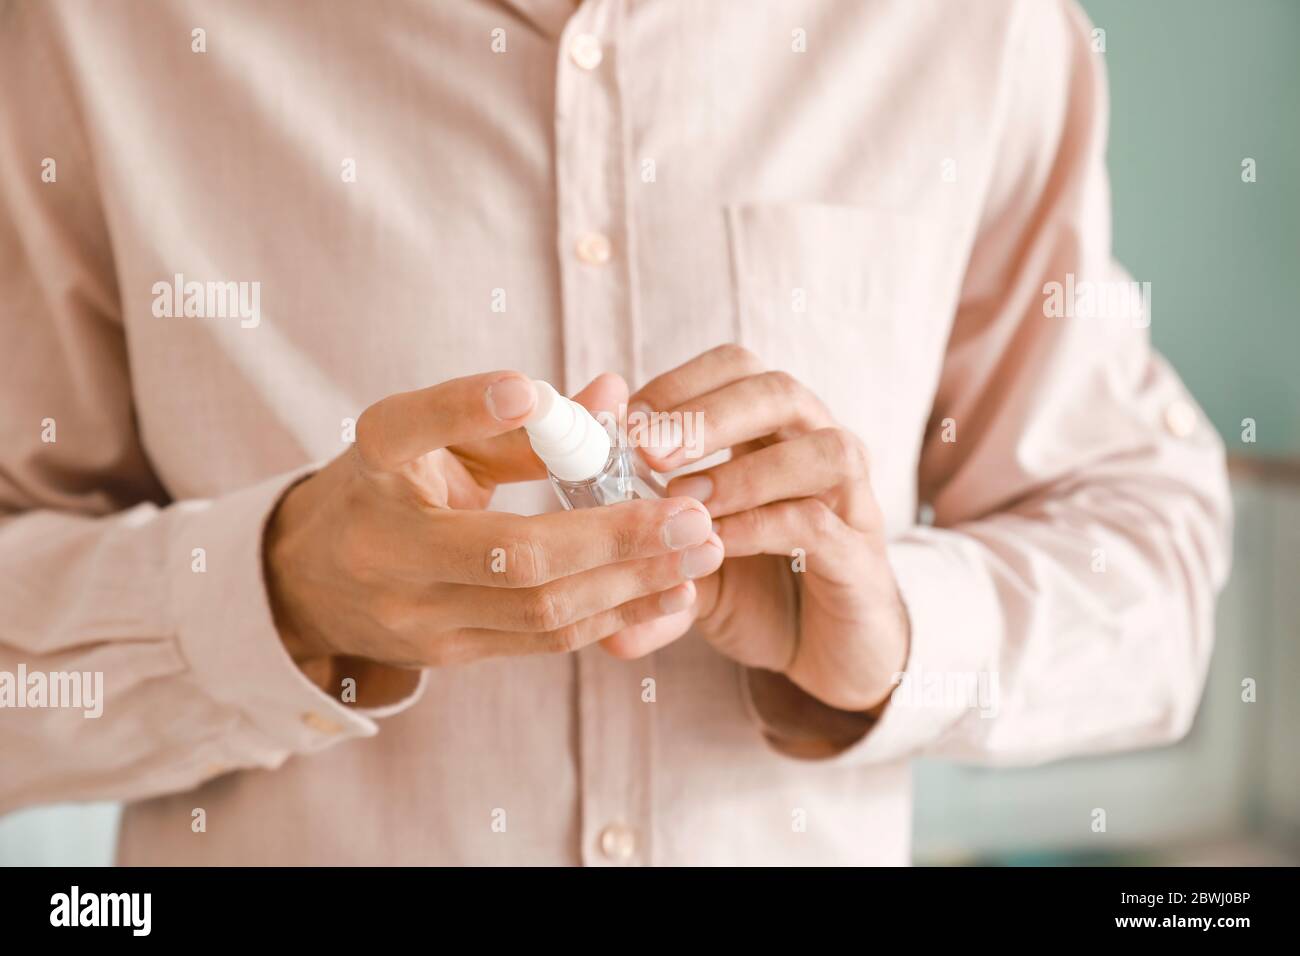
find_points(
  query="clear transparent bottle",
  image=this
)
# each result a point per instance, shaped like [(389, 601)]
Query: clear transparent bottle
[(585, 462), (625, 477)]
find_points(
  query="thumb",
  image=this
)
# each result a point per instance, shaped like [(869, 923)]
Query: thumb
[(402, 427), (509, 457)]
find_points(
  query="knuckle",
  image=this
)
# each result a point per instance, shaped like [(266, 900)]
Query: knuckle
[(435, 653), (525, 563), (388, 612), (779, 382), (545, 610), (817, 516), (419, 647), (635, 612), (650, 395), (855, 452), (735, 354), (838, 448), (753, 523), (369, 440), (861, 459), (564, 640), (651, 576), (736, 482)]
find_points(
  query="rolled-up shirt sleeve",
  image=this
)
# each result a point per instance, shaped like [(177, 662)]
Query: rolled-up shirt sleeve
[(1063, 600)]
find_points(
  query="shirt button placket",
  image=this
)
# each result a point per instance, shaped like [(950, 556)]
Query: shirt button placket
[(585, 51), (618, 842), (594, 248), (594, 280), (615, 744)]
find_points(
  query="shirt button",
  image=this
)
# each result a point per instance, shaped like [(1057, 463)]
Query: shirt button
[(321, 724), (1180, 419), (585, 51), (594, 249), (618, 842)]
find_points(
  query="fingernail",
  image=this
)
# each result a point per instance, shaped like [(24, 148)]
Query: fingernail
[(511, 398), (677, 599), (698, 562), (698, 487), (687, 528)]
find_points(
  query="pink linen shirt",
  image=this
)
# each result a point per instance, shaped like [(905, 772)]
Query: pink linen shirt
[(904, 205)]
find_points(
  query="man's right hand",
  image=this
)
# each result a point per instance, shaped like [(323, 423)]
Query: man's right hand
[(387, 555)]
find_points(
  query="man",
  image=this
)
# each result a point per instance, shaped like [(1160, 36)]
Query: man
[(259, 264)]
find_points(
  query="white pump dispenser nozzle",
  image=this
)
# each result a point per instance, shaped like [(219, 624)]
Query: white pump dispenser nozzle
[(566, 436)]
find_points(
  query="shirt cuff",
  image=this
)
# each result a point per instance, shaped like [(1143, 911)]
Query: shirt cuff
[(222, 616), (955, 626)]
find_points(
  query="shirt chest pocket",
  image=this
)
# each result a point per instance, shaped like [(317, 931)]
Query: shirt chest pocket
[(842, 297)]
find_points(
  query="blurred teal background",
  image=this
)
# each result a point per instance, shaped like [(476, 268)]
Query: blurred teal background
[(1196, 87)]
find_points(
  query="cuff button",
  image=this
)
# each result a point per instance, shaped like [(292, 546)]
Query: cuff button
[(321, 724), (1180, 419)]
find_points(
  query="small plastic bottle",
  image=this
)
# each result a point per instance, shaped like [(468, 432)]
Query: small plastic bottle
[(587, 467)]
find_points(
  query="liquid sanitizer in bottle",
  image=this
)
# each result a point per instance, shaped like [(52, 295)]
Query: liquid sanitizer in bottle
[(587, 467)]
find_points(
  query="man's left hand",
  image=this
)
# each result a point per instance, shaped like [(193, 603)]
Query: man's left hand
[(806, 589)]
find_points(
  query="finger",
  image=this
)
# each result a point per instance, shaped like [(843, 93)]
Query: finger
[(604, 395), (571, 599), (509, 457), (801, 467), (802, 528), (770, 403), (707, 371), (402, 427), (468, 644), (642, 639), (504, 550)]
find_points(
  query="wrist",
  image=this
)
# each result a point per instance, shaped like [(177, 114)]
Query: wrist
[(311, 656), (799, 724)]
